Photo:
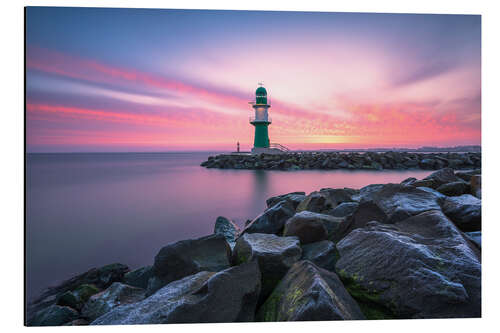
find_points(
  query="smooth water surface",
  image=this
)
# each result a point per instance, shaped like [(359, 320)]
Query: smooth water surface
[(88, 210)]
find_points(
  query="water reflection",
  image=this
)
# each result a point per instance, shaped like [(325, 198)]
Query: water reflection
[(86, 210)]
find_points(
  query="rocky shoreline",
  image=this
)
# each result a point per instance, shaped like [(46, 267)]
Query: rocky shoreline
[(352, 161), (408, 250)]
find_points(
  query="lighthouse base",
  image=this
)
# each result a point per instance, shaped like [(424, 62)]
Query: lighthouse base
[(260, 150)]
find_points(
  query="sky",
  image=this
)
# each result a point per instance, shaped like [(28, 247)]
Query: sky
[(134, 80)]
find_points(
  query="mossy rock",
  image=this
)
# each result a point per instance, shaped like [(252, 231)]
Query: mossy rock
[(84, 291)]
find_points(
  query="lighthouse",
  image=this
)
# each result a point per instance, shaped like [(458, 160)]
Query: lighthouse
[(261, 120)]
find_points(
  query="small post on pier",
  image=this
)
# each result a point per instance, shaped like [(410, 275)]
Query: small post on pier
[(238, 146)]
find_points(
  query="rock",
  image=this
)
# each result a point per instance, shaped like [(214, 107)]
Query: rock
[(275, 255), (421, 267), (323, 254), (440, 177), (427, 164), (294, 198), (397, 202), (308, 292), (117, 294), (187, 257), (454, 188), (475, 186), (408, 181), (54, 315), (306, 227), (139, 277), (69, 299), (475, 237), (318, 202), (272, 220), (85, 291), (464, 211), (344, 209), (227, 296), (101, 277), (77, 322), (466, 175), (337, 195), (423, 183), (312, 227), (228, 229)]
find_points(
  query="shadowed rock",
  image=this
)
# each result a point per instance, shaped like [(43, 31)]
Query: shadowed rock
[(454, 188), (475, 186), (117, 294), (475, 237), (344, 209), (421, 267), (440, 177), (275, 255), (139, 277), (272, 220), (323, 254), (206, 297), (187, 257), (464, 211), (318, 202), (54, 315), (311, 227), (308, 292)]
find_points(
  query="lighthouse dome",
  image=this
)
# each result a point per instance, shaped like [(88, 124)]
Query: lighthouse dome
[(261, 95), (261, 91)]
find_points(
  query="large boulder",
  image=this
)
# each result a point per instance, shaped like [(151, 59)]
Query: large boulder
[(89, 282), (454, 188), (323, 254), (318, 202), (344, 209), (117, 294), (294, 198), (272, 220), (464, 211), (54, 315), (440, 177), (175, 261), (275, 255), (466, 175), (338, 195), (306, 227), (139, 277), (308, 292), (312, 227), (227, 296), (474, 237), (421, 267), (226, 228)]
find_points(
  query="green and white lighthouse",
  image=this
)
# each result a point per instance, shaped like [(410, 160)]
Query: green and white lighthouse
[(261, 120)]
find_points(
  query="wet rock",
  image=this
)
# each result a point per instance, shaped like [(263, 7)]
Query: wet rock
[(408, 181), (421, 267), (77, 322), (337, 195), (54, 315), (323, 254), (344, 209), (272, 220), (117, 294), (205, 297), (174, 261), (69, 299), (228, 229), (308, 292), (294, 198), (139, 277), (275, 255), (466, 175), (440, 177), (464, 211)]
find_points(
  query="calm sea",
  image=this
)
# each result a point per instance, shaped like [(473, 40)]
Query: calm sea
[(87, 210)]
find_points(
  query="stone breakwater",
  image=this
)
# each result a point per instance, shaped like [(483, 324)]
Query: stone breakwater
[(351, 161), (408, 250)]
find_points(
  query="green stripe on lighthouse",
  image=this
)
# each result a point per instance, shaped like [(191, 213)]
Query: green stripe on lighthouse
[(261, 139)]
